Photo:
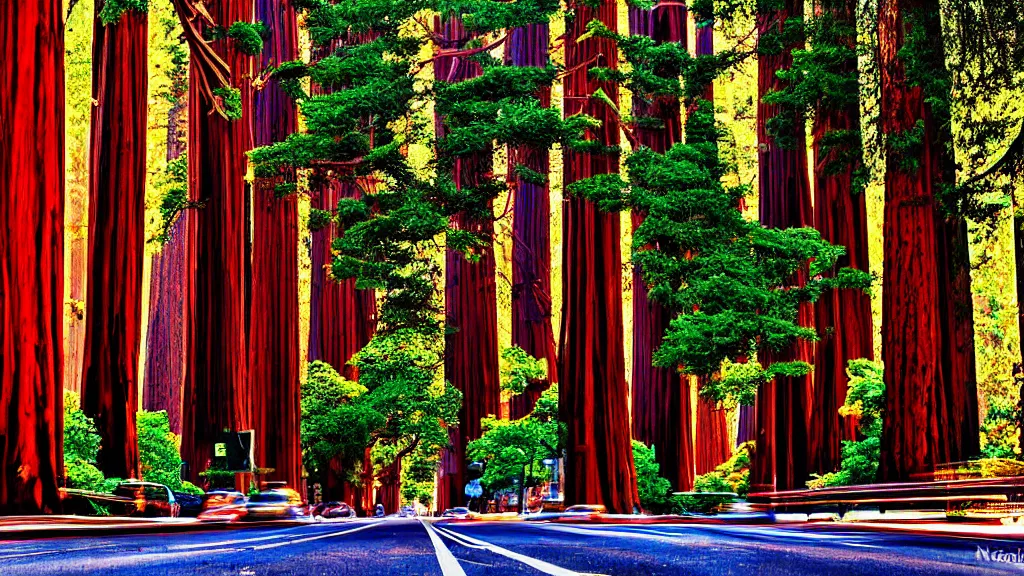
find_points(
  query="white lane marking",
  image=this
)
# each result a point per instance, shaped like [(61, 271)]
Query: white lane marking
[(643, 532), (58, 551), (277, 534), (545, 567), (449, 565), (317, 537)]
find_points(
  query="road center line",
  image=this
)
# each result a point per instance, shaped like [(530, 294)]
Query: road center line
[(545, 567), (56, 551), (449, 565)]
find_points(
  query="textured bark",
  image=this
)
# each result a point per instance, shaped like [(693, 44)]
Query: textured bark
[(662, 412), (783, 406), (31, 255), (76, 235), (216, 395), (593, 397), (531, 234), (470, 293), (117, 221), (843, 317), (165, 334), (927, 329), (274, 311), (390, 492)]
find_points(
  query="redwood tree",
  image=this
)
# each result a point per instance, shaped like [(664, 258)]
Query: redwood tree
[(842, 317), (216, 394), (662, 412), (927, 329), (531, 230), (783, 403), (274, 329), (712, 445), (471, 305), (31, 255), (593, 396), (117, 211)]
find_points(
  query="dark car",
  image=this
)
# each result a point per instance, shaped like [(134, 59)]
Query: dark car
[(274, 505), (333, 510), (223, 507), (149, 500), (458, 512), (189, 505)]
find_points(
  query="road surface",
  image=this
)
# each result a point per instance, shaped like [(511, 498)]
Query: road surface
[(415, 547)]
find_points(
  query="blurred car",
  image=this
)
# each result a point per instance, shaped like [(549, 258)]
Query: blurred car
[(585, 510), (189, 505), (274, 505), (407, 512), (458, 512), (150, 500), (223, 507), (333, 510)]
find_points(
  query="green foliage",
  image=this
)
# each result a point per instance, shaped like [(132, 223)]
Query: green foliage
[(655, 491), (1000, 435), (419, 471), (520, 369), (231, 101), (112, 10), (248, 37), (511, 449), (81, 447), (334, 422), (159, 458), (734, 285), (865, 401), (174, 200)]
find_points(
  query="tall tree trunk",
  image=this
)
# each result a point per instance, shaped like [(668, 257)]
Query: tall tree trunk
[(843, 317), (593, 397), (165, 334), (531, 233), (712, 444), (216, 395), (274, 312), (77, 237), (927, 327), (471, 300), (31, 255), (662, 414), (783, 405), (390, 492), (117, 221), (342, 318)]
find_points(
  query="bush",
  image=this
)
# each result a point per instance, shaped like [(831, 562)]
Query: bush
[(655, 491), (81, 446), (159, 457), (999, 433)]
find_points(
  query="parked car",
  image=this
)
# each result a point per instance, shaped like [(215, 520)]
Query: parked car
[(333, 510), (223, 507), (189, 505), (274, 505), (407, 512), (150, 500), (458, 512)]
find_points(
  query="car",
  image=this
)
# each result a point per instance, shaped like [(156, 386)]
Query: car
[(148, 499), (189, 505), (457, 512), (274, 505), (407, 512), (223, 506), (585, 510), (333, 510)]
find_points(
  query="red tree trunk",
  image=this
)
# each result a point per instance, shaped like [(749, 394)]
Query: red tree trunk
[(390, 492), (531, 233), (711, 442), (593, 397), (471, 300), (927, 329), (165, 335), (117, 221), (31, 255), (843, 317), (274, 336), (783, 406), (662, 414), (216, 395)]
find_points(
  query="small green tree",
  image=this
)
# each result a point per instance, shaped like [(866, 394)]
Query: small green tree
[(159, 452), (81, 446), (655, 491)]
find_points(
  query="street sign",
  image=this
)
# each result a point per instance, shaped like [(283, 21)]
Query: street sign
[(220, 450)]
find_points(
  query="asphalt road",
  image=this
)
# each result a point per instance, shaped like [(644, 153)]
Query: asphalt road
[(408, 547)]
